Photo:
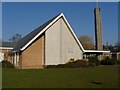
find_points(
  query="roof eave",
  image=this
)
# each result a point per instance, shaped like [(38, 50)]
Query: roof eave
[(6, 48), (14, 51), (96, 51), (61, 15)]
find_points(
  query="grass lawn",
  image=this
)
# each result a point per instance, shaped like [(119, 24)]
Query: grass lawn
[(89, 77)]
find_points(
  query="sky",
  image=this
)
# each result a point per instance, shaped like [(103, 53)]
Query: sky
[(22, 18)]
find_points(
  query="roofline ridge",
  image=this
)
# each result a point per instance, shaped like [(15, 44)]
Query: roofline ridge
[(59, 16)]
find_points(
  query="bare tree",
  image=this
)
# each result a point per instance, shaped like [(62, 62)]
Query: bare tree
[(87, 42), (15, 37)]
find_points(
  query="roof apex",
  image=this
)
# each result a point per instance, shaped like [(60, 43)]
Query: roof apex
[(29, 38)]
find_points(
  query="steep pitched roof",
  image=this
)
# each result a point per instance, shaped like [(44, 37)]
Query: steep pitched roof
[(28, 39), (22, 42)]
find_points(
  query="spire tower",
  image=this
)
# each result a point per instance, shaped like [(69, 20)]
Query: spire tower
[(97, 3), (98, 27)]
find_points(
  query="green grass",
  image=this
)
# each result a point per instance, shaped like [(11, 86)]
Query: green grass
[(90, 77)]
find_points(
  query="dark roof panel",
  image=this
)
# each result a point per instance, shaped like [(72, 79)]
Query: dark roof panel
[(22, 42)]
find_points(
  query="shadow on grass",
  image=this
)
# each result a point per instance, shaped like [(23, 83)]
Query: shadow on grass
[(96, 82)]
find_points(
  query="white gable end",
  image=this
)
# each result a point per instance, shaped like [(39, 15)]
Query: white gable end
[(60, 44), (52, 44), (70, 47)]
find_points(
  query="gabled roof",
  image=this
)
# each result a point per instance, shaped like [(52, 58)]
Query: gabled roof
[(28, 39), (25, 40)]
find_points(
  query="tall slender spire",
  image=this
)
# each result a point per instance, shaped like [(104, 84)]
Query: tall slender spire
[(98, 27)]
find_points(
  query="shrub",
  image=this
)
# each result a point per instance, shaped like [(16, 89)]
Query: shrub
[(6, 64), (75, 64), (108, 61), (71, 60), (94, 61), (79, 63), (118, 62), (114, 61), (91, 64)]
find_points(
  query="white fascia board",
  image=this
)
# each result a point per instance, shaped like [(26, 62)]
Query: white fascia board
[(61, 15), (6, 48), (73, 33), (97, 51), (41, 32)]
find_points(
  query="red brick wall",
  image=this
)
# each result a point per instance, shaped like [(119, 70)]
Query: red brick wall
[(33, 56)]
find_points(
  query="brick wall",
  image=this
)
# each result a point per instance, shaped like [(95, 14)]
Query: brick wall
[(33, 56)]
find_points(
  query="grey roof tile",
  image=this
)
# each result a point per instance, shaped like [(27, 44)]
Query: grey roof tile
[(22, 42)]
